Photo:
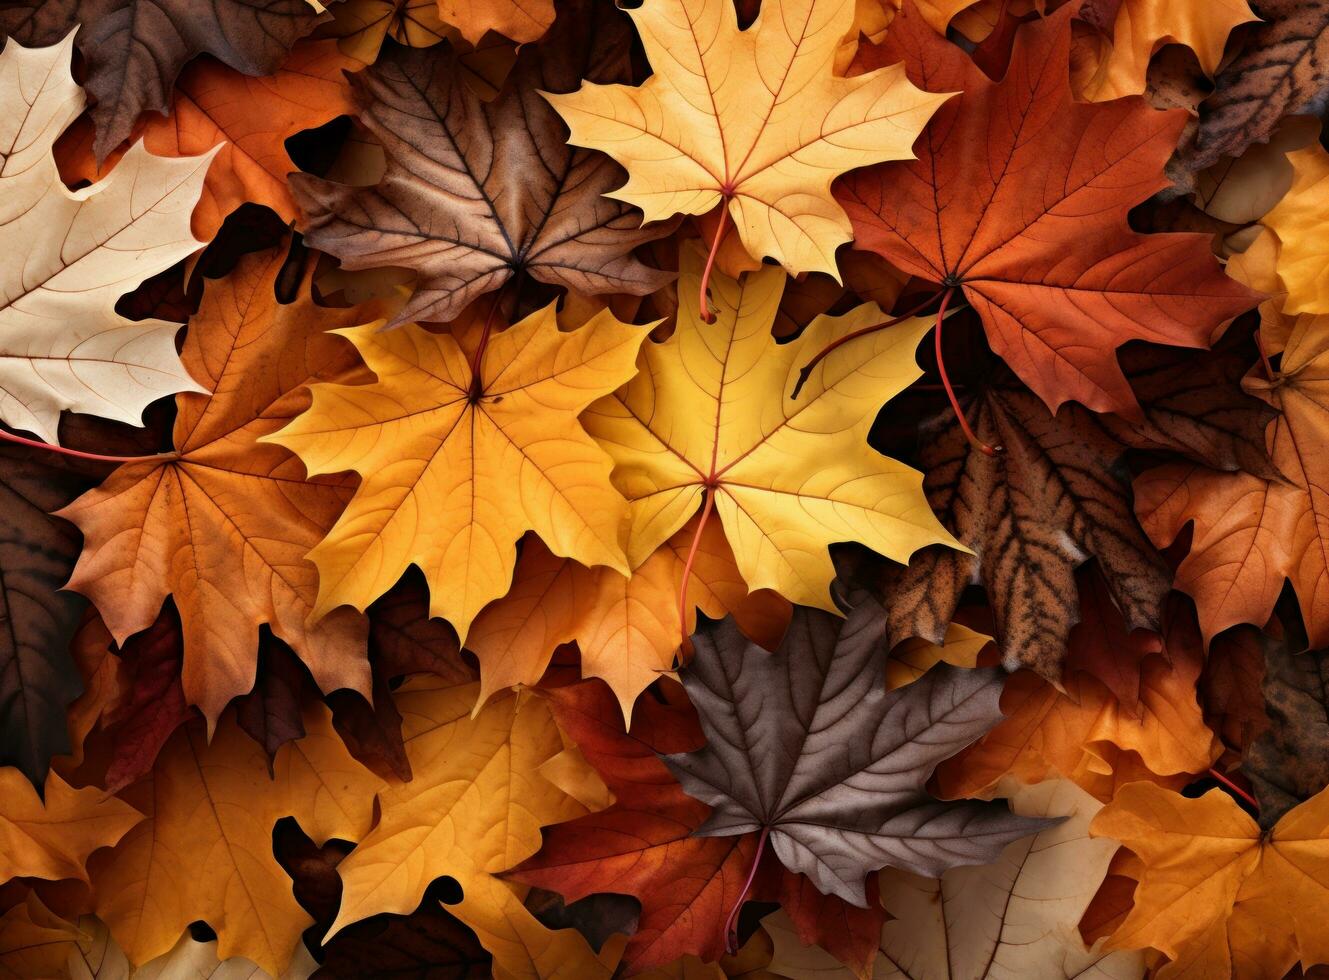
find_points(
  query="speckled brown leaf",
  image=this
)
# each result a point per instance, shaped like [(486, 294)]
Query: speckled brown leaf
[(477, 192), (1281, 69), (804, 744)]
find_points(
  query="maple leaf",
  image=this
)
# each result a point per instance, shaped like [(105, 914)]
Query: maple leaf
[(1018, 200), (644, 844), (754, 120), (1280, 68), (1251, 533), (1216, 895), (226, 502), (1299, 221), (51, 836), (708, 415), (1289, 762), (1016, 917), (803, 747), (34, 942), (204, 850), (625, 628), (250, 118), (488, 424), (1230, 687), (65, 346), (1085, 730), (505, 196), (1116, 66), (1058, 494), (362, 25), (135, 49), (473, 809)]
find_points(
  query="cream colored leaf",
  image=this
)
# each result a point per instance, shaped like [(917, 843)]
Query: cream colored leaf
[(69, 256)]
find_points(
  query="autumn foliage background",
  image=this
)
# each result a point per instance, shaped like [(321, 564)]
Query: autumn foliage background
[(798, 488)]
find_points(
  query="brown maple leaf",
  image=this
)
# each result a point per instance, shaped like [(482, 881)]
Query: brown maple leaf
[(476, 192)]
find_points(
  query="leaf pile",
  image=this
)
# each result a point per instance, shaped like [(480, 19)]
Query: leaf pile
[(701, 488)]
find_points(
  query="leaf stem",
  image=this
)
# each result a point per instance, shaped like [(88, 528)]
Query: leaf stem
[(687, 566), (707, 314), (79, 454), (731, 923), (806, 370), (1235, 788), (477, 382), (974, 441), (1264, 357)]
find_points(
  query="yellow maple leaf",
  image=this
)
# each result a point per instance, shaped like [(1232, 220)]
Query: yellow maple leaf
[(52, 838), (1217, 895), (474, 808), (708, 419), (456, 467), (205, 849), (754, 118), (1299, 220)]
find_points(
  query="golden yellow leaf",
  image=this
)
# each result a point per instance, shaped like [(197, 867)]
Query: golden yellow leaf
[(1217, 896), (914, 657), (205, 849), (755, 119), (52, 839), (1116, 68), (474, 809), (521, 20), (709, 411), (626, 628), (34, 942), (456, 468), (68, 256), (1299, 221)]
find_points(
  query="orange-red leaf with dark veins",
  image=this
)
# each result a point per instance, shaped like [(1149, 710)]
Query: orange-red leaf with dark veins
[(1019, 197)]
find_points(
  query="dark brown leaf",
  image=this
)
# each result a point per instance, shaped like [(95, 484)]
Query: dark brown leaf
[(806, 745), (270, 713), (135, 49), (1289, 763), (476, 192), (1230, 687)]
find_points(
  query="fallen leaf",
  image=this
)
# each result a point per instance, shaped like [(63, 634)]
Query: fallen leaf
[(1289, 762), (1299, 220), (1279, 69), (361, 26), (644, 844), (1217, 896), (521, 20), (1117, 67), (228, 503), (66, 347), (708, 416), (1016, 917), (249, 118), (505, 195), (1252, 533), (204, 850), (752, 119), (1085, 733), (778, 725), (626, 629), (1230, 687), (473, 809), (509, 458), (1058, 494), (52, 835), (1018, 201), (33, 941), (135, 49)]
